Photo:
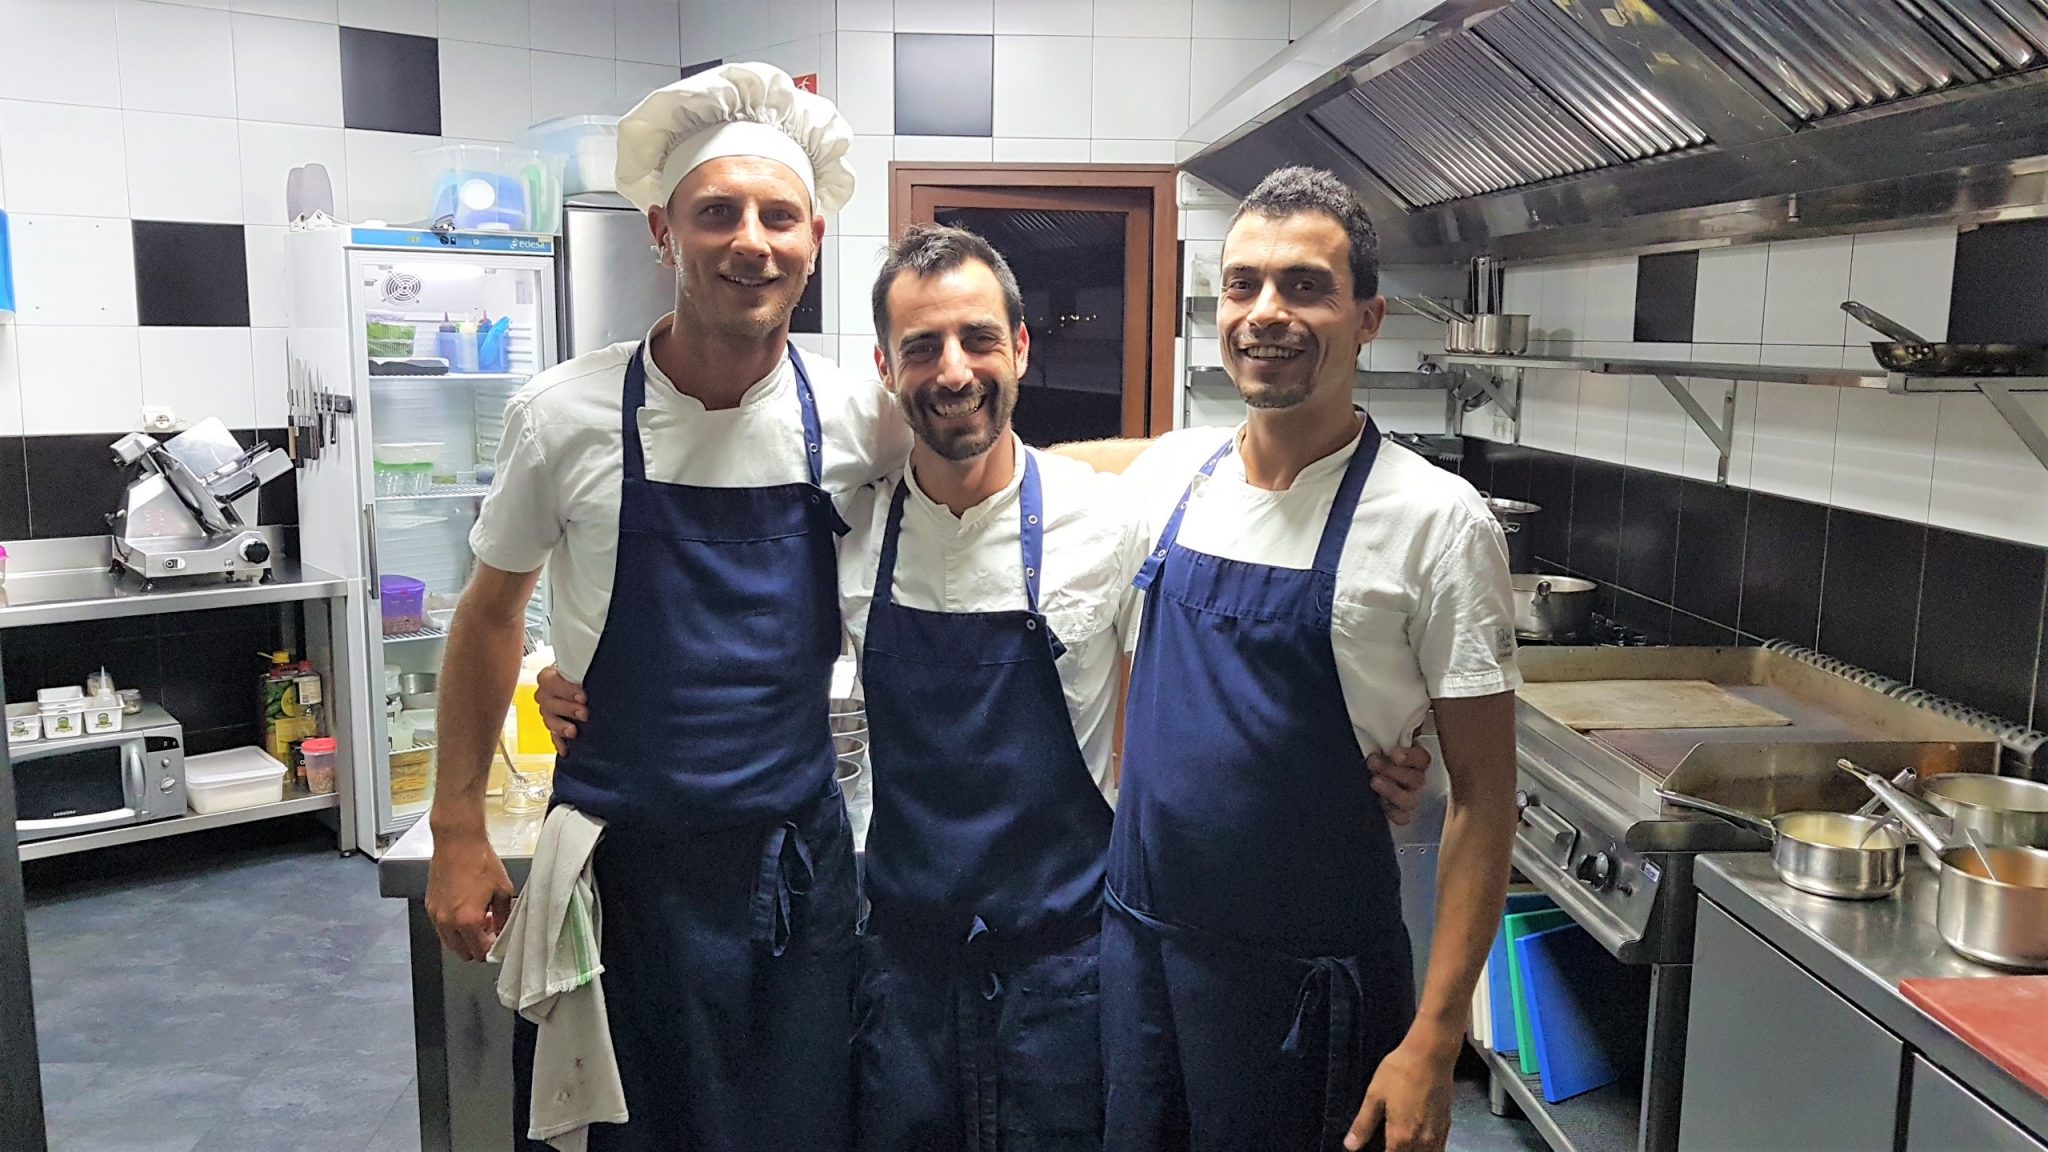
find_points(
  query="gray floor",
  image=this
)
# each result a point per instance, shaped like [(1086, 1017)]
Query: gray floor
[(247, 989)]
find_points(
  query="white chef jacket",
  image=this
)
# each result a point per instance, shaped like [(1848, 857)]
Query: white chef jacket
[(1423, 604), (975, 563), (556, 496)]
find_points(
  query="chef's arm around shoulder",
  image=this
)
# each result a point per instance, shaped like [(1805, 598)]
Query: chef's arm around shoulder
[(468, 893)]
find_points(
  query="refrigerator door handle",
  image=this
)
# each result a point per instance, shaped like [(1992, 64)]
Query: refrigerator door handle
[(370, 546)]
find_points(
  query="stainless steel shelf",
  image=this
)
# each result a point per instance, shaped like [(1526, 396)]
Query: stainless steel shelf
[(441, 492), (296, 801), (31, 598), (1378, 381), (409, 637), (1603, 1120), (458, 377), (1875, 378)]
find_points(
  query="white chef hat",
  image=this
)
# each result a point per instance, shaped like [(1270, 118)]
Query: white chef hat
[(745, 109)]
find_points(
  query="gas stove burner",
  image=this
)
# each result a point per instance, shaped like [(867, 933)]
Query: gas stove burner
[(1600, 632)]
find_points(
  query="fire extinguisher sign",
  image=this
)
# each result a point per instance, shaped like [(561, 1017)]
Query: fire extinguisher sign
[(808, 82)]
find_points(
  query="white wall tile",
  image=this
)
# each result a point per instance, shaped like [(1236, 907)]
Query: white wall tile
[(1130, 151), (10, 380), (579, 27), (813, 344), (79, 380), (1905, 275), (73, 270), (1386, 353), (1405, 411), (1656, 427), (59, 50), (486, 21), (1561, 312), (1728, 307), (1550, 410), (860, 257), (1702, 459), (1804, 287), (867, 214), (199, 372), (384, 181), (1242, 19), (795, 57), (63, 158), (1216, 66), (1140, 87), (1208, 224), (176, 59), (636, 80), (267, 350), (1215, 404), (270, 286), (867, 82), (857, 354), (1985, 481), (1040, 17), (320, 10), (412, 17), (1144, 17), (1304, 15), (1611, 300), (288, 70), (1603, 417), (1794, 444), (649, 31), (183, 167), (1522, 292), (792, 19), (486, 91), (1884, 453), (878, 15), (566, 85), (271, 151), (968, 16), (1043, 86), (944, 149), (828, 66), (1020, 150)]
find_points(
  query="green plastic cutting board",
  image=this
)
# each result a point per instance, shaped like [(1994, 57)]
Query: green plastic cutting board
[(1517, 926)]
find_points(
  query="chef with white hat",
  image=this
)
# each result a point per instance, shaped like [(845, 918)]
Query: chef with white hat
[(684, 492)]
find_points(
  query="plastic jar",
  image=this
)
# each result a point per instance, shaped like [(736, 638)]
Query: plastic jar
[(320, 764)]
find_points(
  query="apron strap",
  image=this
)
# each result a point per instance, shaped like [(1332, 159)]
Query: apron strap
[(885, 572), (1030, 530), (784, 872), (814, 437), (1332, 988), (1150, 570), (630, 402), (1338, 526)]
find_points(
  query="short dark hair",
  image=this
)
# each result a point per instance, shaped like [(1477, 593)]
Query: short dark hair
[(929, 249), (1291, 191)]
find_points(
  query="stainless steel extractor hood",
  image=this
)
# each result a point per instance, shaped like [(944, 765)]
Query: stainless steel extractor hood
[(1531, 128)]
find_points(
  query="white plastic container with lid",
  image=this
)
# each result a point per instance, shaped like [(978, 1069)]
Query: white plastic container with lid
[(231, 779), (588, 146), (24, 724), (103, 714), (62, 694)]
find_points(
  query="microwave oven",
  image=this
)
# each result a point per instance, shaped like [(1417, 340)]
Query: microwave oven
[(88, 783)]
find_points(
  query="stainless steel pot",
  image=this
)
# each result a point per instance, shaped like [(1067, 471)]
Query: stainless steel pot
[(1500, 333), (1999, 915), (1552, 607), (1513, 516), (1999, 809), (1835, 854)]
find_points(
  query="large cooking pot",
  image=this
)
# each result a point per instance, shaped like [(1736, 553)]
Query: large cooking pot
[(1552, 607), (1514, 521), (1992, 902), (1999, 809)]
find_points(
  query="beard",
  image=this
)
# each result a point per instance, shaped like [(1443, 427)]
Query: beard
[(1289, 387), (727, 318), (961, 439), (1276, 396)]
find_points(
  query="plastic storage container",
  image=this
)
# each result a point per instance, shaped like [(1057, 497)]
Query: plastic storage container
[(405, 469), (588, 146), (24, 724), (490, 188), (236, 778), (103, 714), (405, 604), (411, 774), (320, 763)]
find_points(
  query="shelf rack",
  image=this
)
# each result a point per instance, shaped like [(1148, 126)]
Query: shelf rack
[(296, 800), (1603, 1120)]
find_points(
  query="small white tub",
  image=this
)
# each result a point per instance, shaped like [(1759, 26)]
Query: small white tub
[(235, 778)]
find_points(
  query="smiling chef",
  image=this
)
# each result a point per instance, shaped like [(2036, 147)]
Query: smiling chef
[(685, 491)]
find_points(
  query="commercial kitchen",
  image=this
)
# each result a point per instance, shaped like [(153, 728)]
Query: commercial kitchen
[(1736, 311)]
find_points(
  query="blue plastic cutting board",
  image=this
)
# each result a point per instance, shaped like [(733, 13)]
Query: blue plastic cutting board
[(1581, 1024), (1517, 926), (1499, 985)]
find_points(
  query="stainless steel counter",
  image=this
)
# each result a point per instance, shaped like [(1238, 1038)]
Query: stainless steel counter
[(402, 873), (1862, 949), (54, 581)]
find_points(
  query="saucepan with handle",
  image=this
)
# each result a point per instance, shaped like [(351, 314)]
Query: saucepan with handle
[(1992, 901), (1837, 854), (1908, 351)]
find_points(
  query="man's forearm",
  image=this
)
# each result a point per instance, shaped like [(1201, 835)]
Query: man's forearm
[(1103, 455), (485, 645)]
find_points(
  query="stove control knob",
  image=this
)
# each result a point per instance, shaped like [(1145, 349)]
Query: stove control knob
[(1596, 871), (255, 551)]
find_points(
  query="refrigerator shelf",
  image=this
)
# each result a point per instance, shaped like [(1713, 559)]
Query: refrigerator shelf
[(441, 492), (409, 637), (459, 377)]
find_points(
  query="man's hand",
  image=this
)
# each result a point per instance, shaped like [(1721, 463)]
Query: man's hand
[(469, 896), (1398, 777), (563, 706), (1410, 1097)]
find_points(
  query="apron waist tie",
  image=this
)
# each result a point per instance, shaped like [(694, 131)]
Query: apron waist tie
[(1331, 986), (785, 872)]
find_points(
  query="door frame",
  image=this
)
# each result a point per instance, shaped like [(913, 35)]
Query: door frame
[(1156, 183)]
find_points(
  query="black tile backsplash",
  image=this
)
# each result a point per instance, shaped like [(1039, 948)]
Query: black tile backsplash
[(2001, 279), (1870, 598), (809, 315), (68, 484), (390, 82), (1962, 616), (13, 488), (1980, 621), (191, 275), (945, 85), (1666, 285)]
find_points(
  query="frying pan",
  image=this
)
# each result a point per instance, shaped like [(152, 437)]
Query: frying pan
[(1913, 353)]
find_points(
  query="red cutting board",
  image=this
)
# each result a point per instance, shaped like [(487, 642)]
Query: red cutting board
[(2000, 1016)]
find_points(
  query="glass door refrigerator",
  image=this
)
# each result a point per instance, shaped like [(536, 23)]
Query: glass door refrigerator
[(405, 346)]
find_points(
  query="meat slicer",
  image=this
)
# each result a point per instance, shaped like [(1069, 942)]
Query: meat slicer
[(178, 517)]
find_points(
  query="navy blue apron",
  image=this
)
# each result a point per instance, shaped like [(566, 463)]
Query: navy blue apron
[(978, 1008), (726, 870), (1255, 968)]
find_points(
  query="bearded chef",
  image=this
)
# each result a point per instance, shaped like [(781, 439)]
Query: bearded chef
[(684, 491)]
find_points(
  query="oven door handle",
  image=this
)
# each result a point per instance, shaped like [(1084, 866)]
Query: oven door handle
[(1622, 943), (83, 823)]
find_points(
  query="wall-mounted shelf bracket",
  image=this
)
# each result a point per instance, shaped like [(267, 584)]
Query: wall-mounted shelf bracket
[(2024, 425), (1721, 434)]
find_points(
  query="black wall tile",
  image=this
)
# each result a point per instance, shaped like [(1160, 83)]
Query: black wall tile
[(278, 501), (214, 680), (1870, 595), (1644, 615), (1596, 520), (1510, 479), (1689, 630), (1980, 621), (73, 483), (945, 85), (1649, 532), (1712, 523), (390, 82), (14, 488), (2001, 280), (1550, 486), (191, 275), (1666, 290), (1475, 463), (1781, 569), (2041, 675), (689, 70), (809, 315)]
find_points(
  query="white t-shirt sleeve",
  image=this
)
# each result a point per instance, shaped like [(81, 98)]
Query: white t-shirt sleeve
[(1463, 630), (521, 520)]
